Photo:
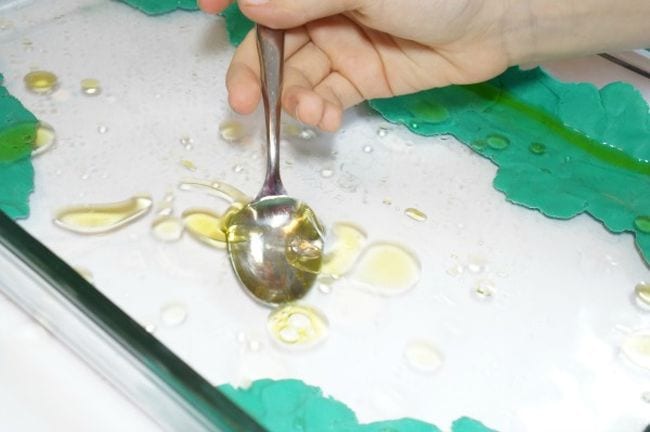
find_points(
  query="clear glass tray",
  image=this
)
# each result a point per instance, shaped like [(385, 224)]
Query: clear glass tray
[(541, 354)]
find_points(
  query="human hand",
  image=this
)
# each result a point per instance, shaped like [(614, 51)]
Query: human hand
[(339, 53)]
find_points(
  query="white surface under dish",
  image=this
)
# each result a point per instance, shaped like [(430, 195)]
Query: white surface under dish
[(542, 354)]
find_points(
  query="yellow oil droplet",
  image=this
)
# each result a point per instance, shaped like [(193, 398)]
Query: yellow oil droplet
[(636, 348), (415, 214), (41, 81), (387, 269), (167, 228), (423, 356), (232, 130), (45, 138), (344, 251), (188, 164), (100, 218), (297, 325), (206, 226), (90, 87), (642, 295)]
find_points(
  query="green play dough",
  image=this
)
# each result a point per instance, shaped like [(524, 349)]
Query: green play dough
[(292, 405), (158, 7), (561, 148), (17, 133)]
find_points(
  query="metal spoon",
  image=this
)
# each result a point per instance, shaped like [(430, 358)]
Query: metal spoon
[(275, 243)]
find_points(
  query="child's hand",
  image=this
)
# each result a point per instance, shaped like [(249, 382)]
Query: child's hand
[(341, 52)]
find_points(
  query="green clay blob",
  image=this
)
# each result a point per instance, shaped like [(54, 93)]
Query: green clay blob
[(561, 148), (159, 7), (237, 25), (291, 405), (17, 133)]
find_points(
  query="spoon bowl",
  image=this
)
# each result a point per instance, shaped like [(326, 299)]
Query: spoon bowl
[(275, 243), (275, 246)]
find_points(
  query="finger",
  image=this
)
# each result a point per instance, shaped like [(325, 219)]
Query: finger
[(303, 70), (353, 56), (214, 6), (338, 90), (243, 76), (291, 13)]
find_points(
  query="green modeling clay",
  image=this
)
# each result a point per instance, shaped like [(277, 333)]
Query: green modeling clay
[(561, 148), (159, 7), (17, 133), (291, 405)]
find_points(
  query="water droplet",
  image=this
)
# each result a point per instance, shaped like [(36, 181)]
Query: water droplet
[(238, 168), (497, 142), (367, 149), (102, 129), (387, 201), (173, 314), (254, 345), (100, 218), (537, 148), (188, 164), (41, 81), (636, 348), (167, 228), (415, 214), (307, 134), (85, 176), (484, 290), (382, 131), (326, 172), (455, 270), (90, 87), (387, 269), (476, 264), (324, 288), (297, 325), (187, 142), (642, 295), (206, 226), (232, 130), (642, 223), (423, 356), (45, 138), (150, 328)]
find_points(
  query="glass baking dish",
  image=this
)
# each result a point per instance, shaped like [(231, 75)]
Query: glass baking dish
[(541, 352)]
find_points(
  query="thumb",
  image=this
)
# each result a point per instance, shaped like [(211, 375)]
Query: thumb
[(293, 13)]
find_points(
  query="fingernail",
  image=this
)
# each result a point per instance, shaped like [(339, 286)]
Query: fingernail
[(253, 2)]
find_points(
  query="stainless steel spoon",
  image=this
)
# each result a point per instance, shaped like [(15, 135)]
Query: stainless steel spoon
[(275, 242)]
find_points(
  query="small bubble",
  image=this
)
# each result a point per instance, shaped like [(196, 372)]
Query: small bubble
[(85, 176), (173, 314), (188, 164), (307, 134), (232, 130), (150, 328), (238, 168), (187, 142), (90, 87), (41, 81), (455, 270), (367, 149), (476, 265), (382, 131), (423, 356), (642, 295), (254, 345), (497, 142), (484, 290), (414, 125), (537, 148), (324, 288), (326, 173), (102, 129), (415, 214)]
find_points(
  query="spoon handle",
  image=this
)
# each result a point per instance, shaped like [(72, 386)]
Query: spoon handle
[(270, 47)]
